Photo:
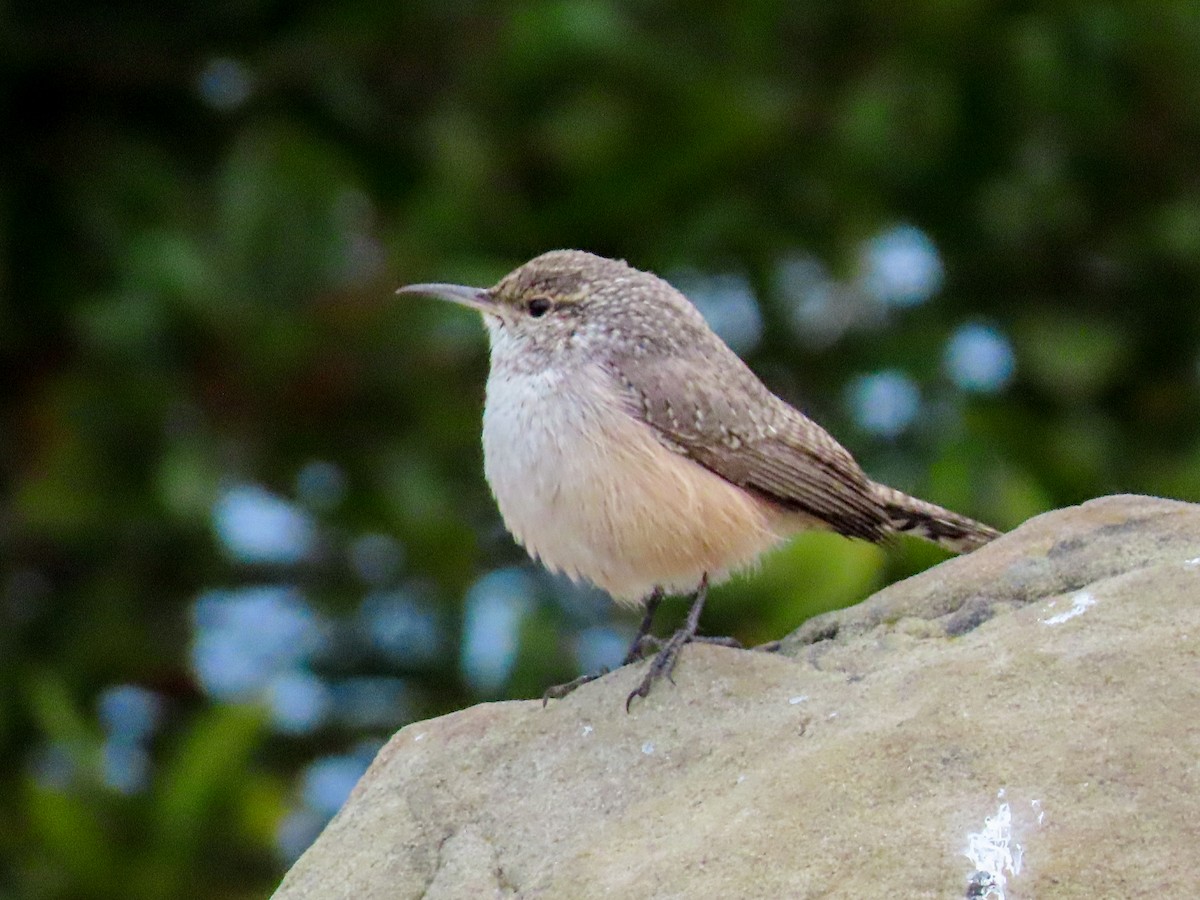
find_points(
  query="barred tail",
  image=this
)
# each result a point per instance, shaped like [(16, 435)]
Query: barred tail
[(947, 529)]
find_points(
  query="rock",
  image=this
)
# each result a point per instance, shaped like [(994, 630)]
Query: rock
[(1037, 700)]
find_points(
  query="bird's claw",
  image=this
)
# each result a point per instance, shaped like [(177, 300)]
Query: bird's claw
[(558, 691)]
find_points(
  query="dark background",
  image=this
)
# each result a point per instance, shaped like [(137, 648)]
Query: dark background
[(245, 533)]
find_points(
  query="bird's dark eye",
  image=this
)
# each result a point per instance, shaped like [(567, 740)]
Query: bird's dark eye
[(539, 306)]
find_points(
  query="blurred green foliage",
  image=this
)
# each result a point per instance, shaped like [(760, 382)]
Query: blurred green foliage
[(204, 210)]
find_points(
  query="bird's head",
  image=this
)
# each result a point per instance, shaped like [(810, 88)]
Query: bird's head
[(573, 304)]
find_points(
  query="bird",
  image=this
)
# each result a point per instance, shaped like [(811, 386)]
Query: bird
[(627, 446)]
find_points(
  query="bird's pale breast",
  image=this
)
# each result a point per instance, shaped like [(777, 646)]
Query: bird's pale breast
[(589, 490)]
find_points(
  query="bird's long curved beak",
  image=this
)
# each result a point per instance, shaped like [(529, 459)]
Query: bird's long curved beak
[(475, 298)]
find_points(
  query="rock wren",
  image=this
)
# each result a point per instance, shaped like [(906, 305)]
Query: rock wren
[(627, 445)]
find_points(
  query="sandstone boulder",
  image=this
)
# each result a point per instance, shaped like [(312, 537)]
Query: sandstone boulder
[(1020, 722)]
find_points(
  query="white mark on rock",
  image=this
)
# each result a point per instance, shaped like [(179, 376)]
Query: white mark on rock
[(833, 715), (799, 698), (648, 748), (587, 729), (1079, 603), (994, 855), (419, 737), (741, 778), (1041, 813), (1193, 563)]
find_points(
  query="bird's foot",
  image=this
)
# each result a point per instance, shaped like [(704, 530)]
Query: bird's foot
[(558, 691), (664, 661), (717, 641), (637, 651), (641, 648)]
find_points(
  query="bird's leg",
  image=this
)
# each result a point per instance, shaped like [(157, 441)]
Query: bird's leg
[(637, 650), (664, 661)]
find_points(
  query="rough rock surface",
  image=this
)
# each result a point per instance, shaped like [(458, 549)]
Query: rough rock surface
[(1039, 698)]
